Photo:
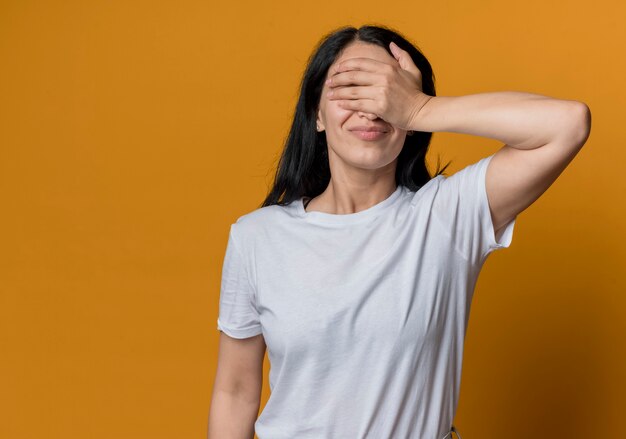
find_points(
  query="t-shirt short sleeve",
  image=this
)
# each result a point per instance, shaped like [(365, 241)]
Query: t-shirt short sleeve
[(462, 206), (238, 315)]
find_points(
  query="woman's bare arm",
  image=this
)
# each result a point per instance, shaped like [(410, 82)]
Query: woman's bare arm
[(519, 119), (237, 387)]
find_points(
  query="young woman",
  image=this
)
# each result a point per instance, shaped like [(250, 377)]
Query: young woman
[(358, 271)]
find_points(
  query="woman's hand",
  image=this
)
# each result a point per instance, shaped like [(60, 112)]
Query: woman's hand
[(392, 92)]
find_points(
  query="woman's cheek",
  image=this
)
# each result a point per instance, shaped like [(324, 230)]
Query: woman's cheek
[(339, 112)]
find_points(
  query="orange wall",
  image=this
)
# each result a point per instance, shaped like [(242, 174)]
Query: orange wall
[(133, 133)]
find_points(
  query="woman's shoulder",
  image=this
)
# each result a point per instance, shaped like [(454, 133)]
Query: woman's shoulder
[(429, 188), (265, 217)]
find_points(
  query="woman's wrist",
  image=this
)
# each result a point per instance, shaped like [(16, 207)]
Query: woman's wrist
[(419, 111)]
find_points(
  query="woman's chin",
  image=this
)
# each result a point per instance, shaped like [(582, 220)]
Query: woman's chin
[(371, 160)]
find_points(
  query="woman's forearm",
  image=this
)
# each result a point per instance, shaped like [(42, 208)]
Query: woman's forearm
[(232, 416), (521, 120)]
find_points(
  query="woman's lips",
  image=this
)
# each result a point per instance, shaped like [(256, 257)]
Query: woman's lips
[(368, 135)]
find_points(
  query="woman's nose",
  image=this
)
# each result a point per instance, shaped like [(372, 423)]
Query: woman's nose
[(370, 116)]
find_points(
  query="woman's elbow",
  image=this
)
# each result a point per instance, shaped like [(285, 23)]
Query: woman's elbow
[(579, 124)]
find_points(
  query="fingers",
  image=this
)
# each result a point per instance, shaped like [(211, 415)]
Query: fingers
[(364, 105), (351, 77), (363, 64), (405, 60), (362, 92)]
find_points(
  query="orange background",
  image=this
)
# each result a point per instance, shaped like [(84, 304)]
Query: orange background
[(133, 133)]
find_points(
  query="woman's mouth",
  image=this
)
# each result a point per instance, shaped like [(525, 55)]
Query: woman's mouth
[(368, 135)]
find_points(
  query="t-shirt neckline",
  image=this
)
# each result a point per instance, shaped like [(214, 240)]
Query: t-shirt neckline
[(347, 218)]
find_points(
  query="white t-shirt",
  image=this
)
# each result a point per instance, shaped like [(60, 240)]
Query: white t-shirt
[(364, 315)]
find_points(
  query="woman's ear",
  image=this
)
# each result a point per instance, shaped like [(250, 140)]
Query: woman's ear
[(318, 122)]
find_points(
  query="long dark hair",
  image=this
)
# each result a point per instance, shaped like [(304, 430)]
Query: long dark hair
[(303, 168)]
